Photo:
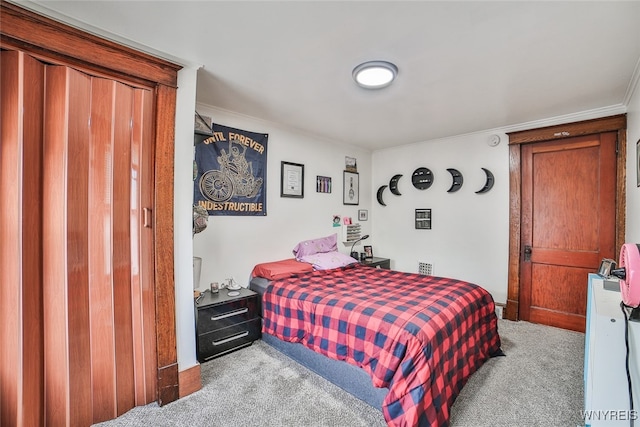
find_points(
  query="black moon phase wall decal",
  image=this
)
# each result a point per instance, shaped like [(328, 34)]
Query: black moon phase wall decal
[(422, 178), (489, 184), (393, 185), (379, 196), (457, 180)]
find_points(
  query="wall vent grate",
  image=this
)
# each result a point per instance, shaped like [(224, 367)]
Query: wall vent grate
[(425, 268)]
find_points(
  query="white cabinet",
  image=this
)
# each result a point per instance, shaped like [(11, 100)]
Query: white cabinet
[(606, 393)]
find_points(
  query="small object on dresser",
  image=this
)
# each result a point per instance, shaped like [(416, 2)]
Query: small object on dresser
[(214, 287)]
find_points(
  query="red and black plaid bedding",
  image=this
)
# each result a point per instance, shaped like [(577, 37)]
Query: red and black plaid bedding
[(420, 336)]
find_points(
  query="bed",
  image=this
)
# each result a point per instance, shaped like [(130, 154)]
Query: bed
[(403, 342)]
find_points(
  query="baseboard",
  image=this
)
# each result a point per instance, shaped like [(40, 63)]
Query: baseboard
[(189, 381)]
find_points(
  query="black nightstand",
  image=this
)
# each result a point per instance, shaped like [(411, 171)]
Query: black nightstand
[(377, 262), (226, 323)]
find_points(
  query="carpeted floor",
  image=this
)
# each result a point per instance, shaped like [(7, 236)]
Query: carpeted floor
[(538, 383)]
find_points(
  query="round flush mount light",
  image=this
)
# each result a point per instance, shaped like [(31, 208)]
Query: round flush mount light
[(375, 74)]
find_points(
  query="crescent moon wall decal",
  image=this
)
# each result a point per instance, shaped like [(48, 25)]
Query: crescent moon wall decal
[(379, 196), (489, 183), (393, 185), (457, 180)]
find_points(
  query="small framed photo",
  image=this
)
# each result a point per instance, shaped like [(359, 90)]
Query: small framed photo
[(350, 191), (363, 214), (291, 180), (350, 164), (368, 252), (323, 184), (423, 219)]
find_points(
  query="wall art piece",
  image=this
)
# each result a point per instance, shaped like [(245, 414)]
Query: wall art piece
[(351, 189), (423, 219), (457, 180), (350, 164), (231, 171), (379, 195), (291, 180), (422, 178), (393, 185), (488, 184), (323, 184)]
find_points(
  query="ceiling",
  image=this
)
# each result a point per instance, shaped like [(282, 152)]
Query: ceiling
[(463, 66)]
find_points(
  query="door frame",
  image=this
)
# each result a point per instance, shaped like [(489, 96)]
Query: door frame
[(55, 42), (617, 123)]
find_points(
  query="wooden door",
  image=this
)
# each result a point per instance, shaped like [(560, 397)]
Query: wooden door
[(28, 41), (568, 225), (78, 311)]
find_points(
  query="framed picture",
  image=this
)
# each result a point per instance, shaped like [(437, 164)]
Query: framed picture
[(350, 164), (291, 180), (323, 184), (423, 219), (638, 163), (350, 191), (363, 215), (368, 252)]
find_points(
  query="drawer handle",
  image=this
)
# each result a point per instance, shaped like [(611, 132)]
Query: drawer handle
[(231, 313), (235, 337)]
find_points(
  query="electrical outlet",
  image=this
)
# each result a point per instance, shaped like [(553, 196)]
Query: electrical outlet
[(499, 311)]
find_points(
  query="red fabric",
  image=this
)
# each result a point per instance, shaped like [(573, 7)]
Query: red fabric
[(420, 336), (281, 269)]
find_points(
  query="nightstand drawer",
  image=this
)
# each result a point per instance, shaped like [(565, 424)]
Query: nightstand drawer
[(224, 315), (221, 341)]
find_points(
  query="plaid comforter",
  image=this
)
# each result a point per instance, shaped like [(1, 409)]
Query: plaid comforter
[(420, 336)]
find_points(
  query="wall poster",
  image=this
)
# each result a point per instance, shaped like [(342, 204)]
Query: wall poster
[(231, 177)]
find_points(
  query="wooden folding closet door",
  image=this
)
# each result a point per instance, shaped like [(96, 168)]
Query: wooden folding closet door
[(77, 262), (21, 348), (98, 293)]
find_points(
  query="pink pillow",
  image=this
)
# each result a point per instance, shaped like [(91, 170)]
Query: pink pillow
[(321, 245), (327, 260)]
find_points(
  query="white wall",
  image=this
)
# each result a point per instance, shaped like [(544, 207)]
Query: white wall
[(182, 217), (469, 238), (470, 235), (231, 246), (633, 191)]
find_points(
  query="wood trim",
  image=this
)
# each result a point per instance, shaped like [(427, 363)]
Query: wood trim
[(513, 291), (621, 199), (189, 380), (617, 124), (38, 34), (569, 130), (163, 245)]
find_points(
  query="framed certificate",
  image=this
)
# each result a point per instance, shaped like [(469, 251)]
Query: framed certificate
[(291, 180)]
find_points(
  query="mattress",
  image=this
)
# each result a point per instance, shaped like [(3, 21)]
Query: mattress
[(419, 336)]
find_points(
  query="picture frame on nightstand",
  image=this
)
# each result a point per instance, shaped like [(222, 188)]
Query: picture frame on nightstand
[(368, 252)]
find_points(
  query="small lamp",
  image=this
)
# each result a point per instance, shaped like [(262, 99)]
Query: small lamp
[(355, 254)]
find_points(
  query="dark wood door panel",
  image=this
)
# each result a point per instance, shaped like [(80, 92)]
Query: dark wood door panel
[(567, 224)]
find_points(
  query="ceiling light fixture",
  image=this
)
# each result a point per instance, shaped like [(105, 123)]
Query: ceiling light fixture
[(375, 74)]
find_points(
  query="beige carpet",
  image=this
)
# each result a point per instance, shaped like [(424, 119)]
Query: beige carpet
[(538, 383)]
